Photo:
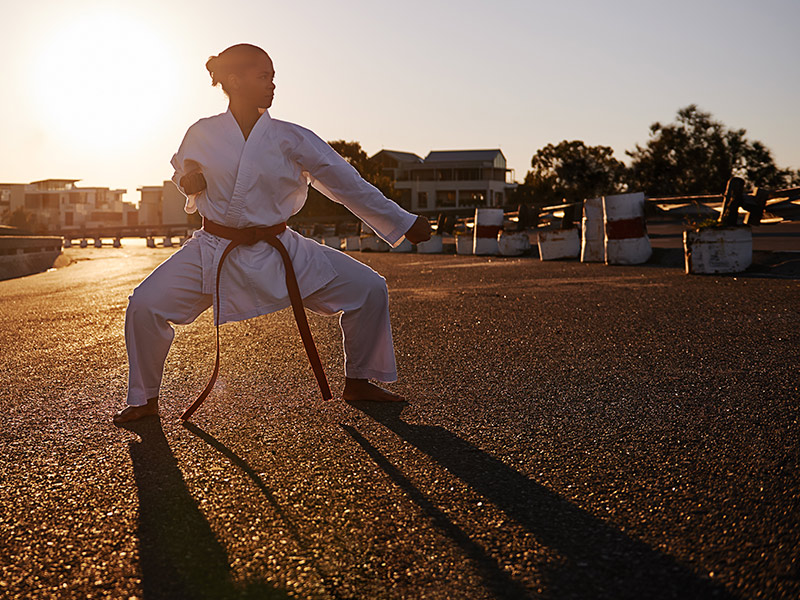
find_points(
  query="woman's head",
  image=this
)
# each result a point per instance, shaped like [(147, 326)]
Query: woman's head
[(245, 73)]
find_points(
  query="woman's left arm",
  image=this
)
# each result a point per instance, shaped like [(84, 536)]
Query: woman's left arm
[(338, 180)]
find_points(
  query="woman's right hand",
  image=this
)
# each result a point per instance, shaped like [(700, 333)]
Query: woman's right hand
[(193, 182)]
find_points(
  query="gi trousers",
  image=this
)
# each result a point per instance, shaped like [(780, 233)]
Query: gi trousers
[(172, 294)]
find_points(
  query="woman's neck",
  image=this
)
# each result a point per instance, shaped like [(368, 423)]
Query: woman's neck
[(246, 116)]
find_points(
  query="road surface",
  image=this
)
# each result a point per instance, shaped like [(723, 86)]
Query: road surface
[(574, 431)]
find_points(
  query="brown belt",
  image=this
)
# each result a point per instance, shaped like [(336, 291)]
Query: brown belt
[(247, 237)]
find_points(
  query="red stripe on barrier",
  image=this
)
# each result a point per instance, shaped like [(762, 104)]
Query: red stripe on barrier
[(625, 229), (487, 231)]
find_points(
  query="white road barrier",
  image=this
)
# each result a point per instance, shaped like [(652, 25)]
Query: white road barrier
[(404, 246), (626, 241), (432, 246), (559, 243), (718, 249), (513, 243), (488, 223), (464, 243), (372, 243), (592, 231), (334, 241)]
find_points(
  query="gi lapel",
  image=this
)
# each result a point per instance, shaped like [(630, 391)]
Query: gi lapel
[(248, 167)]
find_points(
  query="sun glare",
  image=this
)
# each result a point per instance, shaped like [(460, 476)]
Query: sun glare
[(102, 81)]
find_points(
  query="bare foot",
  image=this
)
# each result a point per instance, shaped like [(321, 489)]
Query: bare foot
[(133, 413), (363, 390)]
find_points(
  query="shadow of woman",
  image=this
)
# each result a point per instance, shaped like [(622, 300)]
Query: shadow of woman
[(290, 523), (600, 560), (179, 555)]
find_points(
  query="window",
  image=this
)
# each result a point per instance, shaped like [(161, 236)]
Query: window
[(468, 174), (472, 198), (421, 175), (422, 200), (445, 198)]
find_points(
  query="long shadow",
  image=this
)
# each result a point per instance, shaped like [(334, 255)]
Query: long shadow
[(495, 578), (599, 560), (180, 556), (262, 486)]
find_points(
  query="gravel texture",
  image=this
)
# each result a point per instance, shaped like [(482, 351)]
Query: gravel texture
[(574, 431)]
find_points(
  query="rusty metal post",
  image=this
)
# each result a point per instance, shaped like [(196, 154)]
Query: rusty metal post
[(755, 205), (734, 192), (568, 220)]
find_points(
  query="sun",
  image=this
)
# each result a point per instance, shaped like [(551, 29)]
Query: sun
[(103, 80)]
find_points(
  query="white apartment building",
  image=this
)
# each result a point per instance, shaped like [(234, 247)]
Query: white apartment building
[(59, 205), (447, 180)]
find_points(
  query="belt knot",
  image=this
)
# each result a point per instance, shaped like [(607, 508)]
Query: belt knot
[(251, 235)]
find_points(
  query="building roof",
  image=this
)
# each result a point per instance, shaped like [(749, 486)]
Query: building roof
[(462, 155), (401, 156), (54, 181)]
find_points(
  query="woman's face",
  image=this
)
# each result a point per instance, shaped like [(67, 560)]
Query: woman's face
[(256, 84)]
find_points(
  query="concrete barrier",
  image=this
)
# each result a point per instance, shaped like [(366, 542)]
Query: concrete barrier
[(432, 246), (26, 255), (404, 246), (464, 243), (592, 231), (372, 243), (488, 223), (559, 243), (513, 243), (334, 241), (718, 249), (626, 241)]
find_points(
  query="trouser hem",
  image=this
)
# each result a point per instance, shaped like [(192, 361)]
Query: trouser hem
[(383, 376), (141, 398)]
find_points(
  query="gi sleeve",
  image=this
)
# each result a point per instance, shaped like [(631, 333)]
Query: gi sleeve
[(182, 166), (333, 176)]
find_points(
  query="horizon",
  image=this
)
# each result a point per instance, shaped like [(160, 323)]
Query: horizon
[(413, 82)]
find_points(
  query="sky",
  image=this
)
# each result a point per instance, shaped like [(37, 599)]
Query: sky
[(104, 91)]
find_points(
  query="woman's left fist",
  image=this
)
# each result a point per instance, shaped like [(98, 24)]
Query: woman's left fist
[(420, 231)]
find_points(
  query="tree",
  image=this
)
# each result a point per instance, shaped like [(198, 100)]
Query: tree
[(21, 219), (697, 155), (573, 171)]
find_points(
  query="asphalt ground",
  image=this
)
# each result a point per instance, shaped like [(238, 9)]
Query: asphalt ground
[(574, 431)]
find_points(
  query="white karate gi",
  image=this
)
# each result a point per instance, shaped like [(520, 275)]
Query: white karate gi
[(262, 181)]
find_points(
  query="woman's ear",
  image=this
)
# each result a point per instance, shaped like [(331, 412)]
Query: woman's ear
[(233, 82)]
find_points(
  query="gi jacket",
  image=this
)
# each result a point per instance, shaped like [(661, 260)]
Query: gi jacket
[(263, 181)]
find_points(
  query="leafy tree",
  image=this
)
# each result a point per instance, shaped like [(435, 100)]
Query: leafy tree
[(697, 155), (21, 219), (573, 171)]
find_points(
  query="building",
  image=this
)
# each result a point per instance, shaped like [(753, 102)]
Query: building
[(58, 205), (447, 180), (163, 205), (12, 197)]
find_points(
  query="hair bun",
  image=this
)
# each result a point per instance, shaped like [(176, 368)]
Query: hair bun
[(212, 65)]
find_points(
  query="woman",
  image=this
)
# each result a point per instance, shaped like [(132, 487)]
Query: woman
[(245, 171)]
